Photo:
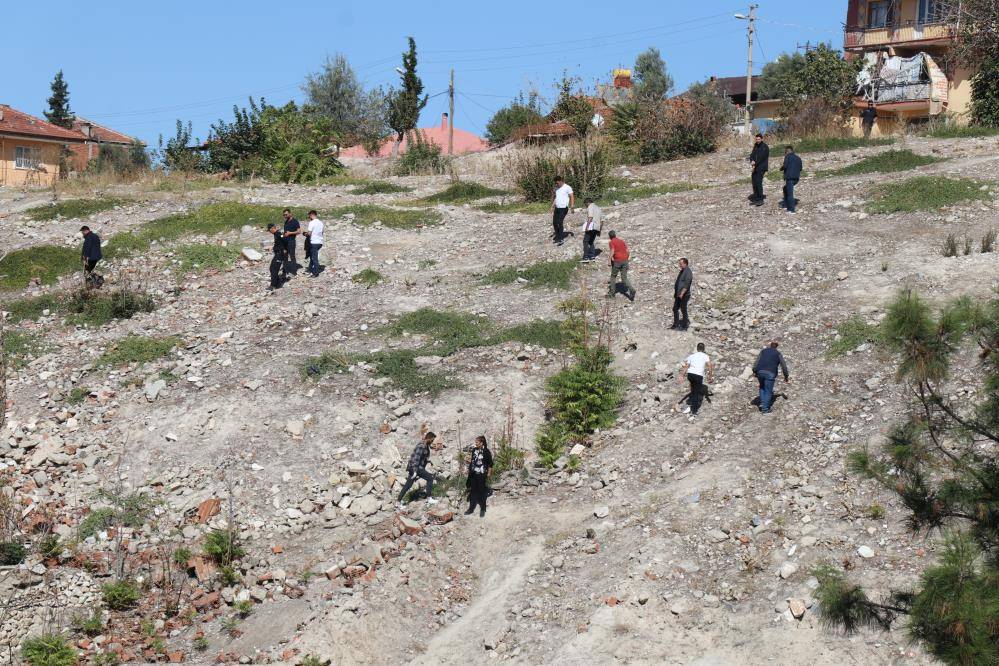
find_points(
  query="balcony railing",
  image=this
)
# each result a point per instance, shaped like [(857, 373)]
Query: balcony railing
[(899, 32)]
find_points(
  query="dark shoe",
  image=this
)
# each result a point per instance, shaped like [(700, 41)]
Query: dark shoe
[(674, 327), (758, 203), (470, 511), (482, 512), (631, 295)]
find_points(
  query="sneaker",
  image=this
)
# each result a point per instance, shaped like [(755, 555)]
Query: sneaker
[(792, 212), (692, 417), (686, 410), (470, 511), (431, 500), (631, 295)]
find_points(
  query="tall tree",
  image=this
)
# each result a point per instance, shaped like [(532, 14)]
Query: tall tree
[(779, 77), (405, 105), (941, 463), (59, 112), (519, 113), (336, 93), (652, 81), (977, 32)]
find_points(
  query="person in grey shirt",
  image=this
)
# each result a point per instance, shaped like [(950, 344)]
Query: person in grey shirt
[(681, 296)]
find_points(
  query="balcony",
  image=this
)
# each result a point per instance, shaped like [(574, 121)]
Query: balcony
[(897, 34)]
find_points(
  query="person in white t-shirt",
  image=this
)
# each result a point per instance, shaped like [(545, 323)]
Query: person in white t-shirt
[(591, 229), (563, 203), (315, 234), (695, 369)]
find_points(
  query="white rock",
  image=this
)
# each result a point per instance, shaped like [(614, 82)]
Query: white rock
[(250, 254), (866, 552)]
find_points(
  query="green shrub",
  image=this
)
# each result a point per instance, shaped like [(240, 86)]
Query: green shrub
[(380, 187), (48, 650), (369, 277), (422, 157), (98, 520), (181, 557), (244, 609), (827, 144), (89, 625), (204, 257), (137, 349), (120, 595), (925, 193), (19, 347), (585, 395), (463, 192), (851, 334), (671, 131), (11, 553), (550, 443), (400, 367), (540, 333), (624, 192), (223, 547), (228, 576), (508, 456), (78, 394), (542, 275), (49, 547), (519, 113), (889, 161), (393, 218), (93, 307), (586, 168), (329, 362), (72, 208), (45, 262)]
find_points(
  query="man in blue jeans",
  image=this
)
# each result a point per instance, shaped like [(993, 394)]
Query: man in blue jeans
[(417, 468), (792, 173), (765, 369)]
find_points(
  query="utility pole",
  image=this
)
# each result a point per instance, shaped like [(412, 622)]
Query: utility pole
[(450, 118), (751, 18)]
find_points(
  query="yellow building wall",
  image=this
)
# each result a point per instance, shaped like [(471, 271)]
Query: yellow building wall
[(959, 94), (44, 176)]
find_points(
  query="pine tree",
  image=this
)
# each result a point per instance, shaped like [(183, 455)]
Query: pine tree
[(405, 105), (941, 463), (59, 112)]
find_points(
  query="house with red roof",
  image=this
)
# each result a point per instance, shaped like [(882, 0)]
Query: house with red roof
[(464, 141), (96, 135), (30, 148)]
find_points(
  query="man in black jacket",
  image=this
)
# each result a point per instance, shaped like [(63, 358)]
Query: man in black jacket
[(867, 118), (90, 255), (765, 370), (280, 255), (292, 228), (792, 172), (760, 159), (681, 296)]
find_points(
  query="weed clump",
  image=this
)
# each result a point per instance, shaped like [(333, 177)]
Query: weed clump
[(989, 241), (851, 334), (463, 192), (45, 262), (223, 547), (392, 218), (887, 162), (925, 193), (369, 277), (328, 363), (137, 349), (96, 308), (950, 246), (11, 553), (380, 187), (120, 595), (48, 650), (205, 257), (72, 208), (542, 275), (585, 167)]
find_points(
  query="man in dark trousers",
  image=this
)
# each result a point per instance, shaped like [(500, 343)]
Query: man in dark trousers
[(681, 296), (619, 256), (562, 204), (867, 118), (760, 159), (292, 228), (765, 369), (417, 468), (480, 469), (696, 369), (280, 255), (90, 255), (792, 173)]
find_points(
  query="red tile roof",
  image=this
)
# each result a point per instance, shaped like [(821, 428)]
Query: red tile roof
[(100, 133), (23, 124)]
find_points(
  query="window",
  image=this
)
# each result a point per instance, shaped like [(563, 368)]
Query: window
[(27, 158), (879, 14), (933, 11)]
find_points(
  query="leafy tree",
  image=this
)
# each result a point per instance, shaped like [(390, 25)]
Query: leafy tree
[(356, 115), (624, 123), (941, 464), (519, 113), (977, 30), (715, 101), (985, 93), (297, 145), (780, 76), (652, 82), (232, 143), (571, 107), (177, 153), (404, 105), (59, 112)]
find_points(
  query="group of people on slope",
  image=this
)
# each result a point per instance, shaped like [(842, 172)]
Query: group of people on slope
[(480, 470), (283, 263), (759, 160), (698, 371)]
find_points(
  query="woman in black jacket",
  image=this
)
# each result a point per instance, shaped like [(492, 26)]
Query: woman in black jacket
[(480, 468)]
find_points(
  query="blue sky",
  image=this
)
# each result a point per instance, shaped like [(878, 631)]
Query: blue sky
[(138, 66)]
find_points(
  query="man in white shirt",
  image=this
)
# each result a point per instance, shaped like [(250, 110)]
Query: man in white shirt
[(694, 371), (562, 204), (591, 229), (315, 233)]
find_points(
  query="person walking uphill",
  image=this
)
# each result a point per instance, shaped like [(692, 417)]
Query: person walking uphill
[(90, 255), (562, 204), (792, 173), (314, 234), (480, 468), (760, 160), (292, 228), (765, 370), (681, 296), (591, 229), (417, 468), (280, 255), (694, 371), (619, 257)]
